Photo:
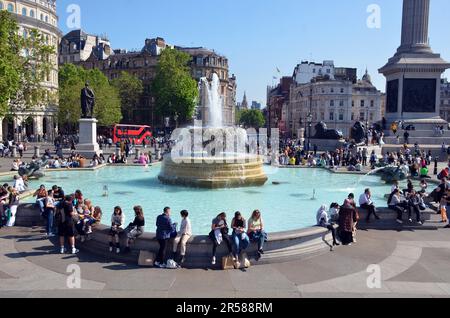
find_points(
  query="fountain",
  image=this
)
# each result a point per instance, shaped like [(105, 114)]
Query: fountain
[(213, 156)]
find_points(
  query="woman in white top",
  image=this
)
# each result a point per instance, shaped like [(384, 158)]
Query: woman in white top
[(323, 221), (182, 238)]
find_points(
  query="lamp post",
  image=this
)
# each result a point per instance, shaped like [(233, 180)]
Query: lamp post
[(310, 118)]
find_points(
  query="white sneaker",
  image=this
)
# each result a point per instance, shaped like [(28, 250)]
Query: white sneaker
[(83, 239), (74, 251), (117, 250), (62, 250), (420, 223), (399, 221), (213, 261), (110, 249), (50, 235), (410, 221)]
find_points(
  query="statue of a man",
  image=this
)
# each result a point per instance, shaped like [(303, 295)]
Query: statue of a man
[(87, 102)]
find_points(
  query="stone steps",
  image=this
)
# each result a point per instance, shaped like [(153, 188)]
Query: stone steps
[(420, 140), (418, 133)]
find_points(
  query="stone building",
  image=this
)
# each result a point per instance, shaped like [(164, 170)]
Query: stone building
[(205, 63), (445, 100), (307, 71), (278, 113), (142, 64), (338, 103), (77, 46), (35, 120)]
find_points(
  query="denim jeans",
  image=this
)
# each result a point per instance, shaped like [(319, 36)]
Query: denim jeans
[(50, 220), (240, 243), (258, 237)]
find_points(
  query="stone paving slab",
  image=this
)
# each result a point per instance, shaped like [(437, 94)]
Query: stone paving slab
[(414, 264)]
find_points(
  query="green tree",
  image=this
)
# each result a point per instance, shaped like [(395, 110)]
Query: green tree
[(10, 64), (130, 89), (25, 63), (252, 118), (71, 80), (174, 89)]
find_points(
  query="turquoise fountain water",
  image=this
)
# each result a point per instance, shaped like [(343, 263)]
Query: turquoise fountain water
[(285, 206)]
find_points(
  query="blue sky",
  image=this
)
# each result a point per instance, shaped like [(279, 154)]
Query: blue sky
[(260, 35)]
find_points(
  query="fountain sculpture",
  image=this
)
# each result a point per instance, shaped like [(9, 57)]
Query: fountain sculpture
[(213, 156)]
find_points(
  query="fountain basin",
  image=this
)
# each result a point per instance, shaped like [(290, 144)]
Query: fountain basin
[(213, 173)]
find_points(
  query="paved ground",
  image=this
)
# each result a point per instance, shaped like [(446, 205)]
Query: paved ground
[(411, 264)]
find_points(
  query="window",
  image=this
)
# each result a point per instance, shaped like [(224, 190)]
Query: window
[(10, 7), (332, 103), (372, 103), (341, 116), (353, 116), (332, 90), (32, 13), (341, 103), (371, 117), (46, 18), (328, 71), (42, 17), (361, 116), (322, 116), (314, 70), (1, 5), (353, 103), (342, 91), (332, 116), (24, 11), (363, 103)]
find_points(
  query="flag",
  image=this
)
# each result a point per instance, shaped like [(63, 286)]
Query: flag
[(278, 70), (275, 77)]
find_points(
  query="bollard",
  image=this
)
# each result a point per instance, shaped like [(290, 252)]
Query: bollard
[(37, 152), (138, 154), (14, 151)]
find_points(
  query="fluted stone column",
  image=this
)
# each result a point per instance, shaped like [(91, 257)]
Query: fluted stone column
[(415, 26)]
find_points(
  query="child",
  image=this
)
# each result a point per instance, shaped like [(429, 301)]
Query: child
[(117, 221)]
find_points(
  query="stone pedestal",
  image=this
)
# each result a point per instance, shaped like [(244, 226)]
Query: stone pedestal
[(88, 146), (413, 74)]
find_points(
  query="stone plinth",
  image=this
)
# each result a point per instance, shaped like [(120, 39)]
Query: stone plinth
[(327, 144), (88, 146), (413, 74)]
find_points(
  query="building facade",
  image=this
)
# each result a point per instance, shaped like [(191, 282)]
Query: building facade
[(77, 46), (143, 64), (205, 63), (445, 100), (278, 114), (35, 120), (337, 103)]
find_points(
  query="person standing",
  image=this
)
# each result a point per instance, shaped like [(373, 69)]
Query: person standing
[(49, 212), (67, 225), (13, 203), (164, 230), (347, 218), (182, 237), (406, 137)]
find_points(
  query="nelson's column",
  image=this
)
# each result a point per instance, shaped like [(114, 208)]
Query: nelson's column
[(413, 74)]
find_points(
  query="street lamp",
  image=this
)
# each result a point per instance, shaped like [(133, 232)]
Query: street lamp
[(309, 119)]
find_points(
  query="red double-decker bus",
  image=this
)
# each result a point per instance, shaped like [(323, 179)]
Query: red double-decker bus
[(136, 133)]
